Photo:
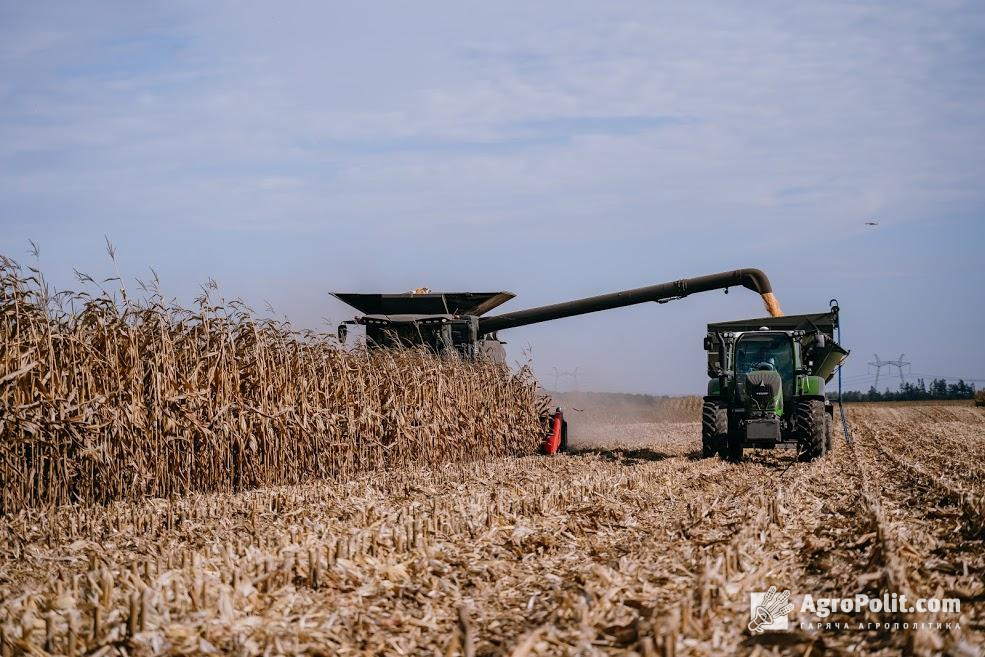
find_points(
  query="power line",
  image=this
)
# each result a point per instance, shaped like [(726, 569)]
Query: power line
[(856, 379), (966, 379), (920, 375)]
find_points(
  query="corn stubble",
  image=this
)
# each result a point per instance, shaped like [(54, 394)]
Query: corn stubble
[(463, 558), (109, 398), (628, 550), (638, 548)]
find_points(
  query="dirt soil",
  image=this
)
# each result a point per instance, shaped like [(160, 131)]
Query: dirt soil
[(630, 545)]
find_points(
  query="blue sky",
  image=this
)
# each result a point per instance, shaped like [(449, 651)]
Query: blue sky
[(552, 149)]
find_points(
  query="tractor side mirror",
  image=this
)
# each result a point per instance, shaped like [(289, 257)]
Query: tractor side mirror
[(343, 331), (708, 344)]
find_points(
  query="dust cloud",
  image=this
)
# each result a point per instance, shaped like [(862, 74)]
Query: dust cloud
[(601, 419)]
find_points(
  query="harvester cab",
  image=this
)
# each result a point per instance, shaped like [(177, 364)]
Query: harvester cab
[(456, 322), (767, 385)]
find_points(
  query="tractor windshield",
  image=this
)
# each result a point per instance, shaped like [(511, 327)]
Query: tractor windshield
[(754, 352)]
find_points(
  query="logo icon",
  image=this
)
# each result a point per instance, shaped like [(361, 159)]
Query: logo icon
[(768, 610)]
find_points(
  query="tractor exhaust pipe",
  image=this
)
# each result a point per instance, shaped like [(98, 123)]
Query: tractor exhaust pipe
[(752, 279)]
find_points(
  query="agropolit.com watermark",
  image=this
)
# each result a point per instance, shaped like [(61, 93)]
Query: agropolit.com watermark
[(895, 604), (768, 611)]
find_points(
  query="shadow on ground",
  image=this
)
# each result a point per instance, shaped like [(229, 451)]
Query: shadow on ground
[(627, 456), (768, 458)]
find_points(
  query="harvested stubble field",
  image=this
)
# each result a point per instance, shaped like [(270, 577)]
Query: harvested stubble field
[(630, 545)]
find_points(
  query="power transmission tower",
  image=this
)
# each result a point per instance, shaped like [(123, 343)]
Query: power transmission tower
[(558, 374), (899, 364), (878, 364)]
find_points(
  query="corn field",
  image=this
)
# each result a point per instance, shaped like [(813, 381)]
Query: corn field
[(105, 397)]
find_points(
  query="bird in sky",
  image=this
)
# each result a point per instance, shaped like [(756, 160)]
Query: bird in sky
[(871, 223)]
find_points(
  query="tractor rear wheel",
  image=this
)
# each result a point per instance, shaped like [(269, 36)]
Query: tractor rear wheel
[(714, 428), (811, 421)]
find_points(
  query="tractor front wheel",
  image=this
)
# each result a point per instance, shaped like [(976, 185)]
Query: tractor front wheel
[(812, 428), (714, 428)]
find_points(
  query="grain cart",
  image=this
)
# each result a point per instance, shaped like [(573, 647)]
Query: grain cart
[(456, 321), (767, 385)]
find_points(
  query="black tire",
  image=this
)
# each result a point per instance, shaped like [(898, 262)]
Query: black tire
[(811, 424), (714, 427), (563, 448)]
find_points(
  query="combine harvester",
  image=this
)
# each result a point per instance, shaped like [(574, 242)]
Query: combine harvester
[(456, 320)]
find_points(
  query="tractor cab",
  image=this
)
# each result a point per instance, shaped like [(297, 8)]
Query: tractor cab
[(765, 351)]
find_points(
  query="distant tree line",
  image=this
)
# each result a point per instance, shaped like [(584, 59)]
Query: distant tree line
[(938, 389)]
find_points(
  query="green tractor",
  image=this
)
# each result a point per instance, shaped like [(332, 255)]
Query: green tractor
[(767, 385)]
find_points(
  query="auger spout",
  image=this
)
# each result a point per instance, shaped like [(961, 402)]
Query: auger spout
[(753, 279)]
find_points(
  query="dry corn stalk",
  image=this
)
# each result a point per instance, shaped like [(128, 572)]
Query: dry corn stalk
[(104, 399)]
